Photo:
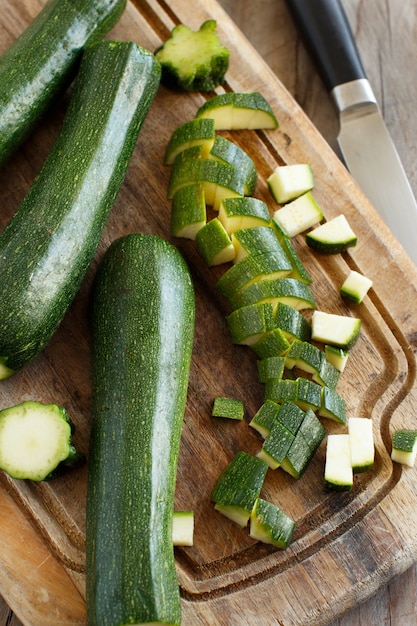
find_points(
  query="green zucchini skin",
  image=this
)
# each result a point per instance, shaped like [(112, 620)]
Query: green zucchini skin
[(143, 312), (48, 245), (41, 62)]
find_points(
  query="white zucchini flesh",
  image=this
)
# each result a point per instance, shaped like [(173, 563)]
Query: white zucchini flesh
[(338, 471), (362, 446)]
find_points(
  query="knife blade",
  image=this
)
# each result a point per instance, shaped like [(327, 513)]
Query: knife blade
[(365, 143)]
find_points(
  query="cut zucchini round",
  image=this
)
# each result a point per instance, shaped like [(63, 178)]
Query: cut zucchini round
[(196, 132), (214, 243)]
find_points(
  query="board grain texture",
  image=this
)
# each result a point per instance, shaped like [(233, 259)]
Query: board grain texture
[(346, 545)]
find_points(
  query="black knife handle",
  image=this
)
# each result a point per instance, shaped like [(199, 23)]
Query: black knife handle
[(327, 34)]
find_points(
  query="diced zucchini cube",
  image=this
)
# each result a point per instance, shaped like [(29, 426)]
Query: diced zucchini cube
[(188, 211), (270, 367), (337, 357), (281, 390), (308, 394), (355, 286), (332, 237), (404, 447), (243, 212), (276, 445), (312, 429), (299, 215), (273, 343), (271, 525), (238, 487), (265, 417), (337, 330), (338, 472), (292, 323), (327, 375), (214, 243), (183, 528), (249, 324), (228, 407), (299, 270), (288, 182), (361, 440), (333, 406), (298, 456), (291, 416)]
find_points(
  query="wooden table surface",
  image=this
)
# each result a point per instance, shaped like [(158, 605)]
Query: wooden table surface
[(385, 33)]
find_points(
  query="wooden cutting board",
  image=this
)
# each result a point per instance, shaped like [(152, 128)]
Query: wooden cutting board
[(346, 545)]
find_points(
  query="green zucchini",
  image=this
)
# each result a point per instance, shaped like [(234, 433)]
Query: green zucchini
[(142, 334), (42, 61), (48, 245)]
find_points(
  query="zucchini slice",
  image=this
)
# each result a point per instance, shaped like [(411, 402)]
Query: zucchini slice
[(232, 111), (338, 472), (228, 407), (337, 330), (332, 237), (42, 61), (355, 287), (404, 447), (35, 441), (298, 215), (183, 528), (361, 440), (143, 312), (67, 207), (271, 525)]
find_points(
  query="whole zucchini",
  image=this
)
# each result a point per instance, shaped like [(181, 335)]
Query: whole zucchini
[(142, 334), (41, 62), (47, 247)]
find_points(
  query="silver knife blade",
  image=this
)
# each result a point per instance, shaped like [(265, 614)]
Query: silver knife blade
[(367, 148)]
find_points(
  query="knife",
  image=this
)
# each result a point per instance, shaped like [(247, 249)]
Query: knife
[(367, 148)]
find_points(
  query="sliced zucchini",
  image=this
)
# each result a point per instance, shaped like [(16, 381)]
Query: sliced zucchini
[(214, 243), (355, 286), (250, 269), (290, 291), (337, 330), (291, 416), (332, 406), (273, 343), (265, 417), (196, 132), (288, 182), (276, 445), (328, 375), (189, 168), (238, 487), (338, 473), (228, 407), (233, 111), (361, 440), (299, 270), (188, 211), (333, 236), (246, 212), (292, 323), (270, 367), (249, 324), (271, 525), (307, 440), (259, 240), (404, 447), (193, 60), (336, 356), (281, 390), (35, 441), (230, 153), (183, 528), (298, 215), (309, 394)]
